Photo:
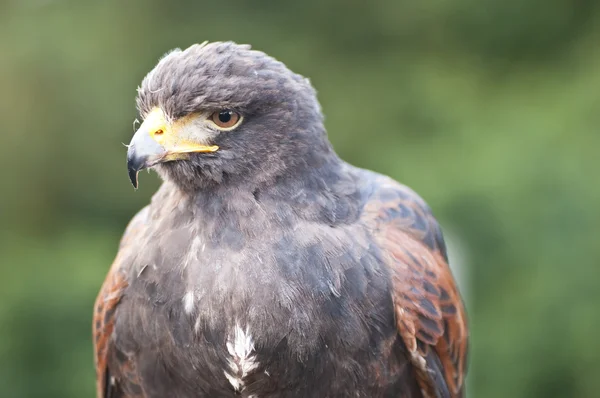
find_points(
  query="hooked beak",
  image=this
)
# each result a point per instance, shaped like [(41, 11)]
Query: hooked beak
[(158, 141), (143, 152)]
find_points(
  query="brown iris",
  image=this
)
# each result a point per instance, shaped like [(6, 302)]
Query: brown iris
[(225, 119)]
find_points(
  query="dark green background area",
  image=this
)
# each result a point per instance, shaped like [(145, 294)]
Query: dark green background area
[(488, 108)]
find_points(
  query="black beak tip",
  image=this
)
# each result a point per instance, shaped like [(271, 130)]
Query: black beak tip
[(142, 155), (133, 176), (134, 165)]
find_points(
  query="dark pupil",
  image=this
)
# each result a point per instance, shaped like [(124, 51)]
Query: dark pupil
[(224, 116)]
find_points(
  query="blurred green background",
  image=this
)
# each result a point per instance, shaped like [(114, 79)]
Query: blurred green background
[(488, 108)]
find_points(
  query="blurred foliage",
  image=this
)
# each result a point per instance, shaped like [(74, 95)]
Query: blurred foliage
[(488, 108)]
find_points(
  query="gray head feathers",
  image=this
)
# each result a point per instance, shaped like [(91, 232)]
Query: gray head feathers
[(220, 74), (282, 133)]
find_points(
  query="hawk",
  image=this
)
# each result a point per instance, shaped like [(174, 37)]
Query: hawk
[(265, 266)]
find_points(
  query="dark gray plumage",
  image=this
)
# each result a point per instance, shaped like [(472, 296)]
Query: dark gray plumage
[(269, 267)]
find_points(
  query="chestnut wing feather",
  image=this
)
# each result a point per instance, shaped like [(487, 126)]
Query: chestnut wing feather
[(108, 299), (430, 315)]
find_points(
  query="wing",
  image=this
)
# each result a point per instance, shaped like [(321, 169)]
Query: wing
[(430, 315), (107, 301)]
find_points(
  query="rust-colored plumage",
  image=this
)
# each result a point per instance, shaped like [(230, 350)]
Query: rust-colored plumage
[(430, 315), (105, 306)]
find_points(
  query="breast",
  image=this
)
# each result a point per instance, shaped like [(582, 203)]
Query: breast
[(212, 313)]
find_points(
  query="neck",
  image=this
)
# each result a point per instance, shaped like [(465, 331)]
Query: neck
[(315, 189), (269, 173)]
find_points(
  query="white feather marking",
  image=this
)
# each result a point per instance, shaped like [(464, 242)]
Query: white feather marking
[(242, 359), (188, 302), (235, 382), (142, 270), (193, 251)]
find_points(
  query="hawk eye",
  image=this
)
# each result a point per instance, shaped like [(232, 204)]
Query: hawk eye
[(226, 119)]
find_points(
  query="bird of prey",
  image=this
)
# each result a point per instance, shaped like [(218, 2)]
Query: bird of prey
[(265, 266)]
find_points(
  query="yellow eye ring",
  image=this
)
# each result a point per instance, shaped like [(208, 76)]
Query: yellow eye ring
[(226, 119)]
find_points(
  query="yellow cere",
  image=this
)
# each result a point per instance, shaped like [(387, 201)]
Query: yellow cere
[(167, 135), (155, 121)]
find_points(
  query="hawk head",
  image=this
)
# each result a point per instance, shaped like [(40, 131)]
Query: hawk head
[(223, 113)]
